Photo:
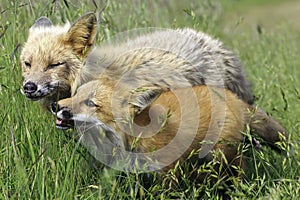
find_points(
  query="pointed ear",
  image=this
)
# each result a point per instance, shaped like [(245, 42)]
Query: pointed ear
[(82, 33), (42, 22), (142, 97)]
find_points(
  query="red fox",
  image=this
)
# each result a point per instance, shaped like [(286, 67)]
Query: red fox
[(168, 126), (57, 59)]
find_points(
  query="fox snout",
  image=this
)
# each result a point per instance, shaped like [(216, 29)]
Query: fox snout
[(29, 87), (34, 91), (30, 90), (64, 116)]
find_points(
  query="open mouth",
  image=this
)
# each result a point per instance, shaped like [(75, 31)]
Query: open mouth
[(64, 124), (34, 98)]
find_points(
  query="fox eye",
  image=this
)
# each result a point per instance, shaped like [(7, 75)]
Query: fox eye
[(51, 66), (27, 64), (90, 103)]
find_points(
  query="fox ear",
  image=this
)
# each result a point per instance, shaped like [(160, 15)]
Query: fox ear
[(82, 33), (142, 97), (42, 22)]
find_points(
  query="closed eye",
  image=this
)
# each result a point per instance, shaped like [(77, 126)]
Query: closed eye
[(51, 66), (27, 64), (90, 103)]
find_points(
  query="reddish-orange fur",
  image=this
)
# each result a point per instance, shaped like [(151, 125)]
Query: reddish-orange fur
[(220, 115)]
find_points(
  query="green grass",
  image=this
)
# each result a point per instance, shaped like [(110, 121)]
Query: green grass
[(39, 162)]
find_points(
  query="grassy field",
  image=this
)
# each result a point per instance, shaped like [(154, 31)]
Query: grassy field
[(39, 162)]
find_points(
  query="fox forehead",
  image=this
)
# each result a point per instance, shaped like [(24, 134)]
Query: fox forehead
[(53, 30), (47, 38), (45, 48), (87, 90), (94, 90)]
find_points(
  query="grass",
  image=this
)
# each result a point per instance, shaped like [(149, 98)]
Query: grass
[(39, 162)]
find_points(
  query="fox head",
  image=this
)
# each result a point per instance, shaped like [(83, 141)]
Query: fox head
[(97, 100), (83, 106), (53, 55)]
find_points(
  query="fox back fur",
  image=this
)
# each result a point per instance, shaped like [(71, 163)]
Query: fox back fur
[(58, 59)]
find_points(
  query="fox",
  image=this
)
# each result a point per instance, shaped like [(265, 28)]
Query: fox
[(57, 59), (208, 119)]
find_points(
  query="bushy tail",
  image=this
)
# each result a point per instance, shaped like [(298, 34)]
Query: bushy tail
[(266, 127)]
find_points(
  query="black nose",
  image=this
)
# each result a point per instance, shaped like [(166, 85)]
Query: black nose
[(30, 87), (66, 112)]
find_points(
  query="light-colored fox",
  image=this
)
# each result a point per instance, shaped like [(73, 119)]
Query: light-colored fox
[(57, 59), (192, 119)]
